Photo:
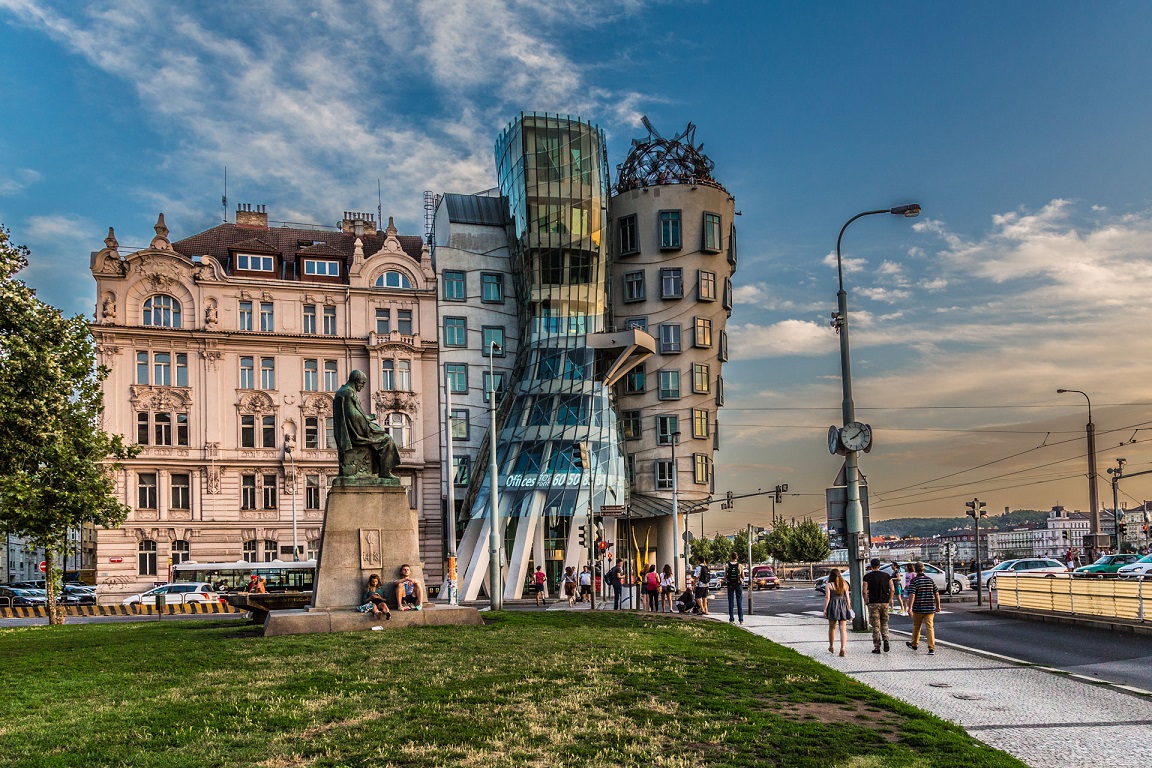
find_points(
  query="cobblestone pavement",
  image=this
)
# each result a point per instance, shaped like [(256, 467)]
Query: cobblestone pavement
[(1043, 718)]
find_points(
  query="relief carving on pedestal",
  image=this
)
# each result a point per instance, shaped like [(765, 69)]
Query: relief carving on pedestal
[(370, 548)]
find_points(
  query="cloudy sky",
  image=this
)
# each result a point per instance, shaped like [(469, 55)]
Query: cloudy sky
[(1021, 128)]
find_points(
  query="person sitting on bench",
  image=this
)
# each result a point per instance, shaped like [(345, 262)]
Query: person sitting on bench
[(409, 595)]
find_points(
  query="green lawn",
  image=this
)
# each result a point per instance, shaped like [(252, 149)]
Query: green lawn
[(549, 689)]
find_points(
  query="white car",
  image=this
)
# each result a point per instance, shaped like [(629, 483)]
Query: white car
[(938, 575), (1044, 565), (182, 592), (1141, 569)]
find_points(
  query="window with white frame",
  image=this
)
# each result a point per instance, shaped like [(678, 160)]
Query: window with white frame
[(268, 373), (254, 262), (247, 373), (146, 490), (671, 283), (669, 338), (634, 286), (310, 319), (705, 285), (383, 321), (267, 317), (161, 428), (251, 547), (404, 375), (455, 332), (181, 491), (331, 376), (492, 334), (246, 314), (322, 268), (181, 551), (669, 229), (703, 336), (404, 322), (667, 425), (270, 491), (162, 311), (394, 280), (157, 368), (312, 492), (699, 423), (271, 546), (388, 374), (701, 383), (669, 384), (146, 560), (311, 375), (460, 424), (455, 286), (712, 232), (457, 375), (329, 321), (491, 288), (398, 426), (702, 465), (663, 469)]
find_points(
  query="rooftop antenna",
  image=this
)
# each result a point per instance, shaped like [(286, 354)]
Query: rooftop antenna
[(429, 214), (224, 197), (379, 204)]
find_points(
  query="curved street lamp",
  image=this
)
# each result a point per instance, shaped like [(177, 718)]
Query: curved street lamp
[(854, 513), (1093, 499)]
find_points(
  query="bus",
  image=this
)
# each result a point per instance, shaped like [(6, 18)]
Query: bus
[(279, 576)]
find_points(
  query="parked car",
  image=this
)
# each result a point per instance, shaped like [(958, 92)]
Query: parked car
[(12, 597), (938, 575), (73, 595), (183, 592), (763, 577), (1045, 565), (821, 584), (1142, 568), (1106, 564)]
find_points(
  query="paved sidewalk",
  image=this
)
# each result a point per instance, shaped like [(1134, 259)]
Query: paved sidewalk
[(1043, 718)]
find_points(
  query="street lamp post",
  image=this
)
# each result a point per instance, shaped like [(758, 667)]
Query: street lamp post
[(854, 512), (675, 437), (495, 545), (1090, 430), (295, 546)]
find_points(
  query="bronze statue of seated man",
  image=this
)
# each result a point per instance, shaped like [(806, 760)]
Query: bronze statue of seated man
[(363, 447)]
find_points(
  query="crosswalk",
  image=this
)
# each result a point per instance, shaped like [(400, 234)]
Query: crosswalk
[(819, 614)]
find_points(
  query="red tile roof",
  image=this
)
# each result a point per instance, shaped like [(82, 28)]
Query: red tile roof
[(286, 241)]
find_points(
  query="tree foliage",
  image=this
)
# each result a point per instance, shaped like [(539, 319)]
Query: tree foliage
[(53, 475), (803, 543)]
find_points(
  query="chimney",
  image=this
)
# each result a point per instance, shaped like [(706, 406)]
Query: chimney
[(248, 215), (356, 223)]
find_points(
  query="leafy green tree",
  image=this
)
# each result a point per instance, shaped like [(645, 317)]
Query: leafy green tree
[(810, 543), (701, 547), (740, 544), (53, 474), (779, 542), (721, 549)]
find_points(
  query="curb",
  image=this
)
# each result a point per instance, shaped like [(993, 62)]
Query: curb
[(1103, 622), (40, 611)]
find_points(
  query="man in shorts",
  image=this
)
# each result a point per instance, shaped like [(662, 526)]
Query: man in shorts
[(539, 578), (585, 585), (703, 576), (409, 595)]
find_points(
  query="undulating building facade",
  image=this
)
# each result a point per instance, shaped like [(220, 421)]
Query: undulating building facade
[(225, 350), (588, 398)]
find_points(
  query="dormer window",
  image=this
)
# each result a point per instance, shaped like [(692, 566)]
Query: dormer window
[(394, 279), (254, 263), (323, 268)]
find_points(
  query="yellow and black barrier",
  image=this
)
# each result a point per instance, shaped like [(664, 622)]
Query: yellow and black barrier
[(40, 611), (1126, 599)]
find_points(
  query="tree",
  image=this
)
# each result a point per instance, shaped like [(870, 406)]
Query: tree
[(810, 543), (740, 544), (779, 542), (53, 474), (701, 547)]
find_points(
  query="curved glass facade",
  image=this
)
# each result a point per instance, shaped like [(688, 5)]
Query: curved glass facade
[(558, 441)]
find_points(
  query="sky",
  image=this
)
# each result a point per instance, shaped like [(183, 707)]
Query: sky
[(1021, 128)]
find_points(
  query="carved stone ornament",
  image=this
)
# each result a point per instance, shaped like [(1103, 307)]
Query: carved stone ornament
[(107, 353), (256, 402), (148, 398), (108, 309), (370, 555), (211, 357), (211, 315), (391, 400), (317, 405), (160, 273), (160, 242)]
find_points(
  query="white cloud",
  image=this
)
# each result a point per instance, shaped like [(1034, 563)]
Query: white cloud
[(890, 295), (788, 337), (849, 265), (18, 180)]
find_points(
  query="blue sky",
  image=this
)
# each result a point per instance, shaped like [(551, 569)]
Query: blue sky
[(1022, 128)]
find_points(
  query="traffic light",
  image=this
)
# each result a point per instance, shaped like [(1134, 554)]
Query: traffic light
[(729, 496), (1064, 535), (1123, 528), (584, 535), (976, 508)]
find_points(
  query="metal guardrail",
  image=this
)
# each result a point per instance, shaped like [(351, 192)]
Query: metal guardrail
[(1126, 599)]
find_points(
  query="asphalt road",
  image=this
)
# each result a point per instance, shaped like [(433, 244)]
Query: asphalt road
[(1112, 656)]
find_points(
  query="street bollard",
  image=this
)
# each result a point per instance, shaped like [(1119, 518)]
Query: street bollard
[(159, 607)]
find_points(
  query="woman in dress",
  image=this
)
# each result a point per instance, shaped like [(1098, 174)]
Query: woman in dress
[(836, 610), (667, 588), (569, 582), (909, 574)]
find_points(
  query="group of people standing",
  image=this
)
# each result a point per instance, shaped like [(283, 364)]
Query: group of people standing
[(915, 591)]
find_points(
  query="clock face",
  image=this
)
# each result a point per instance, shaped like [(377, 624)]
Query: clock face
[(856, 436), (833, 440)]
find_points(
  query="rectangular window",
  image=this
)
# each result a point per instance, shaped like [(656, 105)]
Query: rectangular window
[(699, 423), (147, 558), (311, 433), (181, 491), (732, 246), (669, 338), (634, 380), (146, 490), (267, 318), (669, 385), (163, 428), (267, 431), (247, 373), (404, 375), (459, 423), (629, 240), (162, 369), (579, 268), (719, 390), (322, 268), (630, 425), (701, 381), (634, 286), (245, 315), (491, 288), (383, 322), (329, 321), (312, 492), (460, 470), (671, 283), (331, 376), (142, 364), (181, 370), (640, 323), (310, 319), (669, 229), (247, 431), (630, 469), (404, 322), (270, 492), (712, 232), (703, 333), (143, 431), (493, 381), (455, 332), (248, 496), (705, 285), (457, 375), (181, 429), (267, 373), (454, 286), (667, 425), (722, 355), (254, 263), (663, 474), (388, 375), (703, 467), (492, 334), (727, 293), (311, 375)]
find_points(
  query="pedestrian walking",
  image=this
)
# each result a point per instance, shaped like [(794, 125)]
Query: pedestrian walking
[(667, 588), (585, 585), (836, 610), (734, 578), (897, 588), (615, 578), (925, 599), (652, 588), (878, 597), (569, 582), (703, 576), (909, 574), (539, 578)]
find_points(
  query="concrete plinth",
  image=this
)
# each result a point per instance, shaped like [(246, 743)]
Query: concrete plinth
[(368, 528)]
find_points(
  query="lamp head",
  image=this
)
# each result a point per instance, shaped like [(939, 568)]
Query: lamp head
[(1061, 391), (909, 211)]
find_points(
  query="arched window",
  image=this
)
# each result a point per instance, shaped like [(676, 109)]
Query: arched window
[(398, 427), (393, 279), (147, 553), (163, 311), (180, 551)]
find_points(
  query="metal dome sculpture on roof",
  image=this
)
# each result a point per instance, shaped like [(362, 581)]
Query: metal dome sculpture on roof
[(657, 160)]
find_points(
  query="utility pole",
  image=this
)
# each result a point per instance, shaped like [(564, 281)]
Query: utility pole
[(976, 510), (749, 569)]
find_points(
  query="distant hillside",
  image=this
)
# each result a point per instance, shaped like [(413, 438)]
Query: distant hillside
[(925, 527)]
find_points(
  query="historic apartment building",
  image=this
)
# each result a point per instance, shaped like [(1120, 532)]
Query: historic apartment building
[(225, 349), (607, 303)]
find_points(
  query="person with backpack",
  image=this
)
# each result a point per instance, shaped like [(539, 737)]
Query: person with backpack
[(652, 588), (734, 578), (703, 576)]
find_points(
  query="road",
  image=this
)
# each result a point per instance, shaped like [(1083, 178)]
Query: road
[(1117, 658)]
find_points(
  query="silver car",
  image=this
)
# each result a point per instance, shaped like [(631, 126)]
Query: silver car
[(938, 576)]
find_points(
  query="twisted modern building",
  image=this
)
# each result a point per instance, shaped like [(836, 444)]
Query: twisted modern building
[(609, 349)]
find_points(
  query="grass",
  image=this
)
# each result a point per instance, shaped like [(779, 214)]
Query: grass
[(528, 689)]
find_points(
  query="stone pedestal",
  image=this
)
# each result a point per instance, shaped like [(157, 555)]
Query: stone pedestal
[(368, 528)]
